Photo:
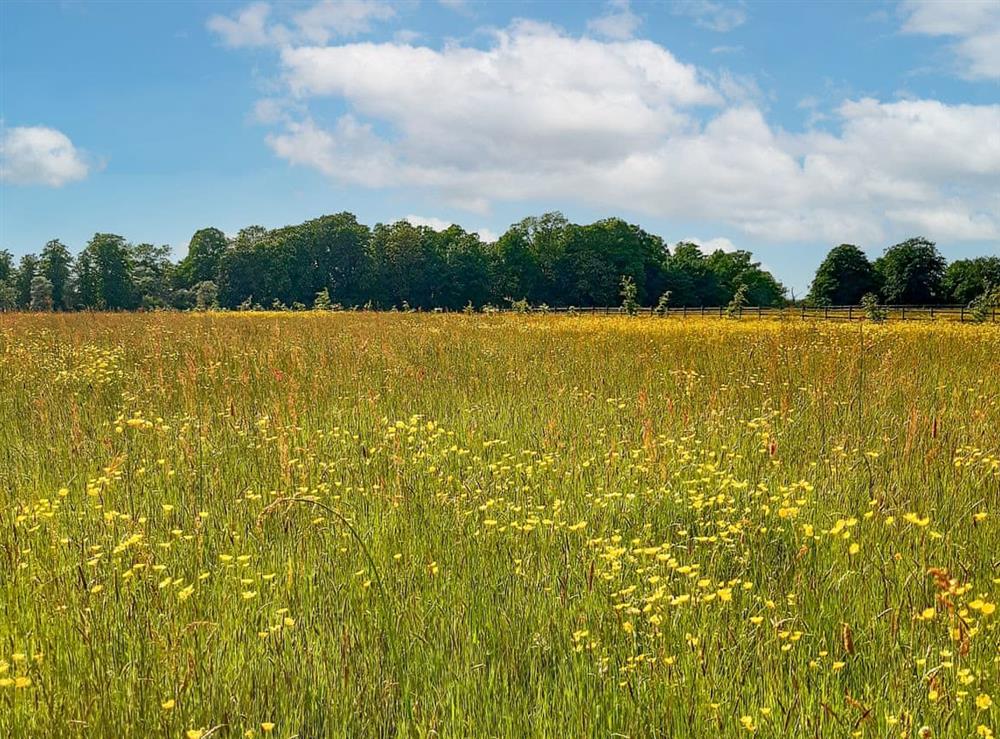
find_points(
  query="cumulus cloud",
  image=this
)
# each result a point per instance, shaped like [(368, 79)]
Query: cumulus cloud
[(973, 24), (536, 96), (619, 22), (439, 224), (340, 18), (708, 246), (251, 26), (37, 155), (542, 115)]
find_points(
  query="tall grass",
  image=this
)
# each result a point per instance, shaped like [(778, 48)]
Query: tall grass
[(429, 525)]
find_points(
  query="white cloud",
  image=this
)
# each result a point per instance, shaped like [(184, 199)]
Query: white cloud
[(340, 18), (247, 28), (715, 16), (540, 115), (37, 155), (619, 23), (535, 96), (974, 24), (439, 224), (708, 246), (317, 24)]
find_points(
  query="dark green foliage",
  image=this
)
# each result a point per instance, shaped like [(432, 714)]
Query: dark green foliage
[(540, 261), (967, 279), (105, 274), (56, 265), (26, 271), (41, 294), (843, 277), (205, 252), (911, 273)]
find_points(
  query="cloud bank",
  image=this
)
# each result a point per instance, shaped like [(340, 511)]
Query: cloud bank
[(621, 123)]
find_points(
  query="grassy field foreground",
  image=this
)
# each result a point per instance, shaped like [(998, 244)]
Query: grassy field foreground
[(428, 525)]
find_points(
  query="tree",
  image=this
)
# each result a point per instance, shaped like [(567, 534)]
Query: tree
[(597, 256), (152, 275), (734, 270), (26, 271), (8, 295), (331, 253), (56, 266), (628, 292), (322, 300), (967, 279), (201, 264), (528, 259), (41, 294), (407, 266), (467, 268), (517, 273), (843, 277), (689, 278), (206, 295), (104, 274), (6, 265), (911, 273)]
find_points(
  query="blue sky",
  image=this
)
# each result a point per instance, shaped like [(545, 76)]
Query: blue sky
[(784, 128)]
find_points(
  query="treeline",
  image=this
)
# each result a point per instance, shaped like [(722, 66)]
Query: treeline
[(546, 260), (339, 261), (910, 273)]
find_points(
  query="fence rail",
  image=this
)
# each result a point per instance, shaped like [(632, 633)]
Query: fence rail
[(956, 313)]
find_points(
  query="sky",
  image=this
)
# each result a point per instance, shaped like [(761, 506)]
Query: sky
[(784, 128)]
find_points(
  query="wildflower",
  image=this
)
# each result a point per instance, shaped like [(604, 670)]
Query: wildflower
[(168, 705), (983, 701)]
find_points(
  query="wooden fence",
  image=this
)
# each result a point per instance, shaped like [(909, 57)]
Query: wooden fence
[(956, 313)]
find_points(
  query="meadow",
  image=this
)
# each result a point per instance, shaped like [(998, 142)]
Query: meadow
[(357, 524)]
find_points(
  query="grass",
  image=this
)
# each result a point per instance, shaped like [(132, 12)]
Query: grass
[(428, 525)]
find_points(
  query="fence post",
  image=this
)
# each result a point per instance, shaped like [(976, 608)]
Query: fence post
[(961, 317), (932, 312), (903, 317), (759, 313), (703, 311), (826, 313), (741, 311), (685, 314), (850, 313)]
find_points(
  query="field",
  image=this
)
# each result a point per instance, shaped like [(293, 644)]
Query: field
[(442, 525)]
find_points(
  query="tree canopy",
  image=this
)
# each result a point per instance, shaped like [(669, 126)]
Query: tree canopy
[(843, 277), (541, 260), (911, 272)]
